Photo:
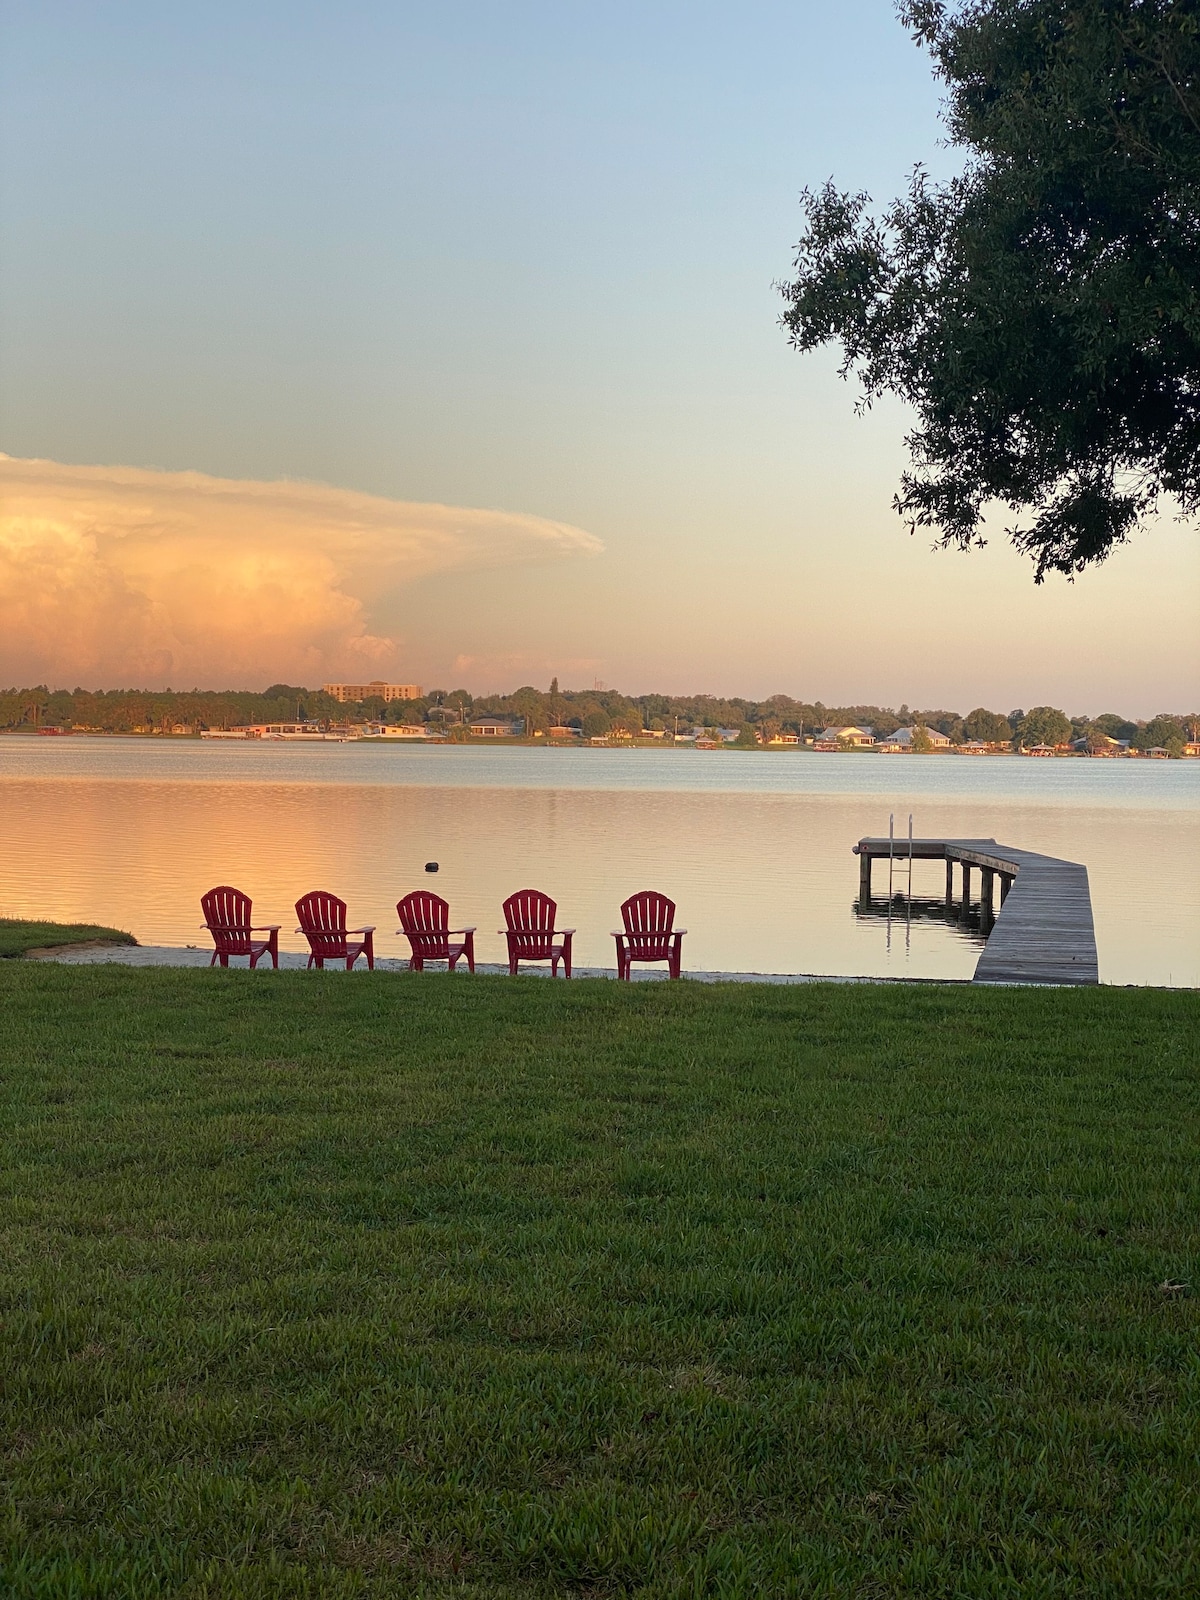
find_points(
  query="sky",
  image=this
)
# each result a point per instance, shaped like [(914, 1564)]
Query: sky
[(444, 341)]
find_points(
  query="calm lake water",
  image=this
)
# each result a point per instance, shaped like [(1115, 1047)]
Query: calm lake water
[(754, 847)]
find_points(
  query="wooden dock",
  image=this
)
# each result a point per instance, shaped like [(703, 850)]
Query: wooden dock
[(1043, 931)]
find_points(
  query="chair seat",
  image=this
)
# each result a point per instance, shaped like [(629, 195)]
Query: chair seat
[(238, 945), (538, 946), (650, 946), (347, 950), (335, 949), (436, 949)]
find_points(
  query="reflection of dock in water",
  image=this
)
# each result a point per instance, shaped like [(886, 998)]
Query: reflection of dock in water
[(921, 908), (1041, 933)]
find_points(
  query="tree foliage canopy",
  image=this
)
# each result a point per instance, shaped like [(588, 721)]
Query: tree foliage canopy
[(1041, 312), (987, 725), (1161, 732), (1044, 725)]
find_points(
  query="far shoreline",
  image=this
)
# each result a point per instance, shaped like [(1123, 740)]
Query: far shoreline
[(681, 746)]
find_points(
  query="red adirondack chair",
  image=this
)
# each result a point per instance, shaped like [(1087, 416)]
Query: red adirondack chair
[(531, 933), (649, 934), (227, 918), (425, 921), (323, 923)]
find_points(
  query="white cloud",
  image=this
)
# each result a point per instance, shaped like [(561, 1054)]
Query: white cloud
[(113, 576)]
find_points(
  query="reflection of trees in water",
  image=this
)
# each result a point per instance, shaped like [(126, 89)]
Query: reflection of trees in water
[(920, 909)]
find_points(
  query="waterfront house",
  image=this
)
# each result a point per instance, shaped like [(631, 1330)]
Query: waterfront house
[(1100, 744), (901, 742), (845, 738), (562, 731), (497, 727)]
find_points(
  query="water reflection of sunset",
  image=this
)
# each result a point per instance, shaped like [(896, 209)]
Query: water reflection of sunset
[(764, 882), (756, 878)]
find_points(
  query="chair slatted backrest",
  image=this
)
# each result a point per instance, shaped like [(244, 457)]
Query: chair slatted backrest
[(322, 918), (529, 915), (530, 911), (648, 918), (227, 914), (425, 918)]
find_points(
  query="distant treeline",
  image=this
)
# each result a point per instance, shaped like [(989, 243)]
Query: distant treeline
[(595, 712)]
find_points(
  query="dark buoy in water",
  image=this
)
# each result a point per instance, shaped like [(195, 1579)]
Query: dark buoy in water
[(431, 866)]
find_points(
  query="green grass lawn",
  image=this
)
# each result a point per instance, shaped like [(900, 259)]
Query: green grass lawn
[(16, 937), (330, 1285)]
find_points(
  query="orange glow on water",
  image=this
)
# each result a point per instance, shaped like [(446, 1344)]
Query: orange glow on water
[(131, 833)]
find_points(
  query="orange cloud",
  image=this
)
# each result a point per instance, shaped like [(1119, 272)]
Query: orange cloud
[(116, 575)]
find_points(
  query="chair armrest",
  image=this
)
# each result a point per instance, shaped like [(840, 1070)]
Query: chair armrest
[(564, 930), (370, 929), (264, 927), (471, 929), (619, 933), (677, 933)]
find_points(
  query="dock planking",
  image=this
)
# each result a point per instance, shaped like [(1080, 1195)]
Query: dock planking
[(1043, 931)]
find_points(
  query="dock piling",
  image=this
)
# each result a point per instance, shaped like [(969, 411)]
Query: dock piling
[(964, 910), (987, 879)]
